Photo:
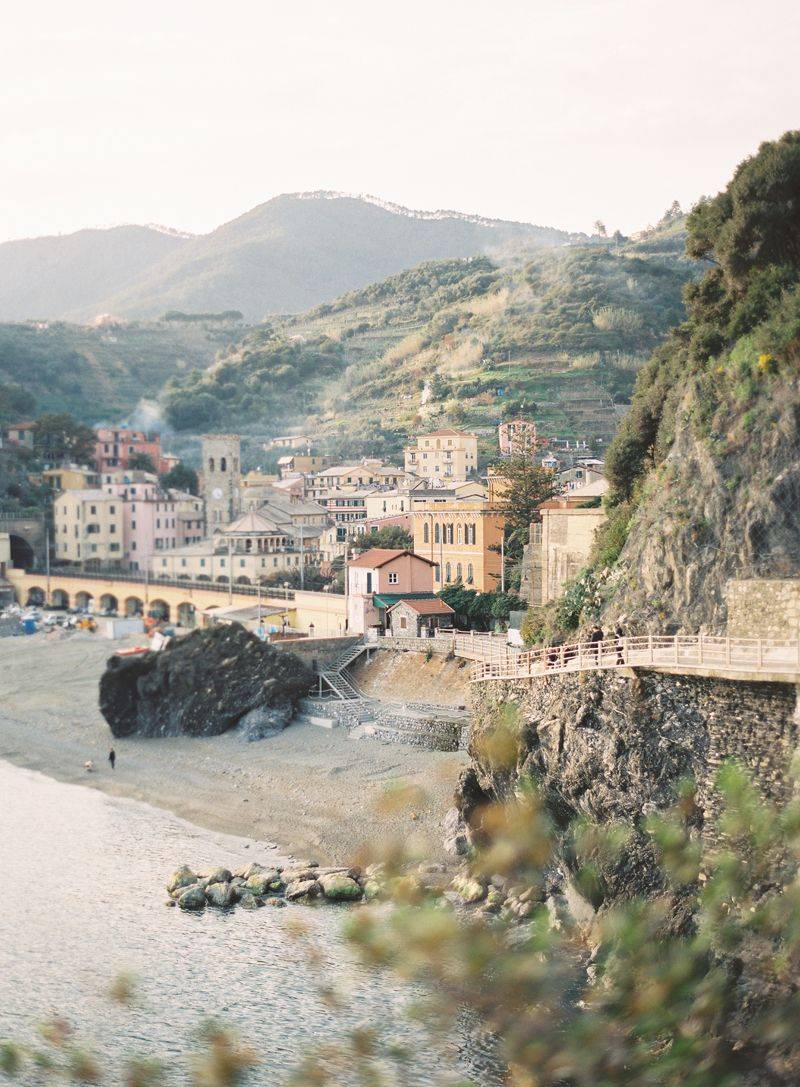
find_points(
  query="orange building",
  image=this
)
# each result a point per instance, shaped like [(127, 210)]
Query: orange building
[(463, 540)]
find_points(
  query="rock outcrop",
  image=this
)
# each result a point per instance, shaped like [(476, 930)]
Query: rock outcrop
[(203, 685)]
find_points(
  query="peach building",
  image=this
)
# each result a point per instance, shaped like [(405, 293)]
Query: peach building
[(444, 456), (462, 539), (381, 577)]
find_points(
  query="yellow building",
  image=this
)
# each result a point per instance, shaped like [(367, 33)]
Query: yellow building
[(88, 527), (71, 478), (443, 456), (459, 537), (562, 541)]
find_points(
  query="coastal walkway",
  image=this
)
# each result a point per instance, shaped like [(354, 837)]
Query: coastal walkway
[(759, 659)]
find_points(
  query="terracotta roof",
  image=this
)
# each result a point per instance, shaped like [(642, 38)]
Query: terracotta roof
[(426, 607), (448, 431), (380, 556)]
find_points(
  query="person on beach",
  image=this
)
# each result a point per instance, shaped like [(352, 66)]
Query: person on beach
[(112, 757)]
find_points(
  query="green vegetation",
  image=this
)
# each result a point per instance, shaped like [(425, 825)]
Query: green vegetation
[(391, 536), (59, 439), (523, 486), (97, 373), (202, 318), (479, 611), (464, 342), (743, 316), (181, 478)]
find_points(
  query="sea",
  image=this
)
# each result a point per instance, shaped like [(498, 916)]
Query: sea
[(83, 901)]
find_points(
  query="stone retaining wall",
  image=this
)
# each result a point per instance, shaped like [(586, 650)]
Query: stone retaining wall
[(614, 746), (316, 653), (764, 608)]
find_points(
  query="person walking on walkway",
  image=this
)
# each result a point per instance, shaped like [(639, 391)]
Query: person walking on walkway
[(112, 757), (619, 634), (596, 638)]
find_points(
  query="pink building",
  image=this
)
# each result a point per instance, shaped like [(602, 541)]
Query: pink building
[(517, 436), (380, 578), (154, 520), (115, 446)]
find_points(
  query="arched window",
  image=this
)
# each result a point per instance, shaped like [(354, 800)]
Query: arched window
[(426, 536), (436, 533), (459, 572), (438, 444), (470, 574), (211, 464), (460, 533), (223, 464), (447, 573), (450, 534)]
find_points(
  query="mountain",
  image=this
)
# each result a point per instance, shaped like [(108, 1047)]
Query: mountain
[(467, 342), (284, 256), (56, 276)]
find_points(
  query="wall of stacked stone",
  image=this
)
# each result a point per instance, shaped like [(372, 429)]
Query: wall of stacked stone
[(764, 608), (441, 647), (614, 746), (430, 733), (316, 653)]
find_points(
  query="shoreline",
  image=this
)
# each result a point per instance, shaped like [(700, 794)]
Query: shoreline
[(312, 792)]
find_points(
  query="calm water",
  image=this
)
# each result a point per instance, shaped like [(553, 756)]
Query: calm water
[(83, 893)]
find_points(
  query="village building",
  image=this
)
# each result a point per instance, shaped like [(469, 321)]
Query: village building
[(419, 618), (381, 577), (115, 446), (443, 456), (463, 540), (561, 542), (304, 463), (89, 527), (71, 477), (19, 434), (154, 519), (517, 436), (346, 506), (580, 474), (288, 441)]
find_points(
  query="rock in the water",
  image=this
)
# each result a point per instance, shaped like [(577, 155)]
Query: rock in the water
[(470, 890), (248, 901), (339, 888), (260, 883), (273, 901), (221, 894), (193, 899), (202, 685), (219, 875), (456, 841), (302, 888), (181, 877)]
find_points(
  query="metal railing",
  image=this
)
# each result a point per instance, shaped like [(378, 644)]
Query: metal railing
[(684, 652)]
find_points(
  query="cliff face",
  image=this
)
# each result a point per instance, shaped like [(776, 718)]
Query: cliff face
[(613, 747), (720, 506)]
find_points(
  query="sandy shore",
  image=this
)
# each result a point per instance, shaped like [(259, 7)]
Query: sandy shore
[(312, 791)]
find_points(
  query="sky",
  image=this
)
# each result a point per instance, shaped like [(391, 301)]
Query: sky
[(558, 112)]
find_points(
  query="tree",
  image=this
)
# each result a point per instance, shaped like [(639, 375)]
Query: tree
[(57, 437), (141, 462), (522, 486), (392, 536), (600, 228), (15, 402), (180, 478), (478, 611)]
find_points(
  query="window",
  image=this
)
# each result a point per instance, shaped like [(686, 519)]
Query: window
[(393, 577), (183, 562), (163, 562), (211, 464), (470, 574), (113, 547), (403, 622), (202, 563), (133, 545), (448, 573), (460, 534), (426, 533), (93, 509), (436, 533), (436, 574), (459, 572), (369, 581), (223, 464)]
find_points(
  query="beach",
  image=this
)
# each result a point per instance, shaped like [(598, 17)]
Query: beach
[(315, 793)]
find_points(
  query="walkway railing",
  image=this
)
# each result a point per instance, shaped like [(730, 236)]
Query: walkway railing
[(681, 651)]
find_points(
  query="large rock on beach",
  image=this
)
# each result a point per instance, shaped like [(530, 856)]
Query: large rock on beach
[(202, 685), (193, 899), (181, 877), (339, 887)]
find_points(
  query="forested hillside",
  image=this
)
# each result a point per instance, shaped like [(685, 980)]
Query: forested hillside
[(705, 468), (561, 332), (100, 373)]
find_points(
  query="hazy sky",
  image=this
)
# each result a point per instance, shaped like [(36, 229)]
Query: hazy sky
[(188, 112)]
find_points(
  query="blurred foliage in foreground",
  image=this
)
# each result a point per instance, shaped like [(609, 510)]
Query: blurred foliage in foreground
[(696, 986)]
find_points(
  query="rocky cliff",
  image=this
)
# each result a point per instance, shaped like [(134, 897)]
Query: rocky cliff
[(202, 685)]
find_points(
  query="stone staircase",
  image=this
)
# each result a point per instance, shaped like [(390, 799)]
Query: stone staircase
[(334, 675)]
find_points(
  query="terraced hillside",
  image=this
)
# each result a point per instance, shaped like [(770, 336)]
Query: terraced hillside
[(560, 334)]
